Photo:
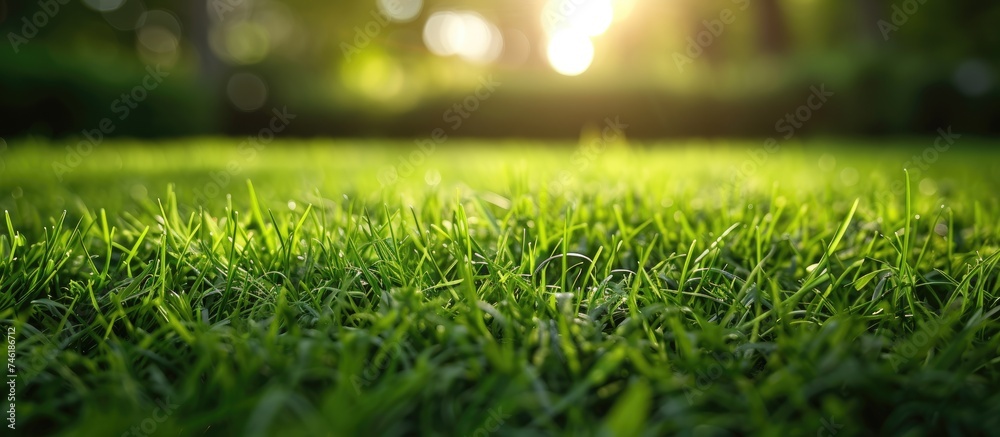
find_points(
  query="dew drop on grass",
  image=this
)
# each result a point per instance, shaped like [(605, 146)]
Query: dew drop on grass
[(291, 205)]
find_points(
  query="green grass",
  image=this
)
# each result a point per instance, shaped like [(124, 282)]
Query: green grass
[(503, 289)]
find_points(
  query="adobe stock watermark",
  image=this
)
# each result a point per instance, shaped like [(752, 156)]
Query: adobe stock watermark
[(11, 410), (713, 29), (828, 426), (909, 348), (921, 162), (374, 367), (705, 378), (248, 150), (900, 16), (456, 116), (148, 426), (30, 27), (583, 156), (493, 422), (363, 35), (556, 13), (789, 124), (223, 7), (123, 107)]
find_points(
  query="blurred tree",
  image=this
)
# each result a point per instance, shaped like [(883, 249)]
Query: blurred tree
[(773, 29)]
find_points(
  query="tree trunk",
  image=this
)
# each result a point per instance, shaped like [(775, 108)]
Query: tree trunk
[(773, 30)]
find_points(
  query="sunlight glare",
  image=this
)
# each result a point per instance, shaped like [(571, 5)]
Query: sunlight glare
[(591, 17), (570, 52)]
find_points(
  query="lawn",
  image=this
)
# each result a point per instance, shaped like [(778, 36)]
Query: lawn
[(204, 287)]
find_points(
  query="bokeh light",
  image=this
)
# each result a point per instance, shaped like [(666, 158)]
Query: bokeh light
[(280, 23), (103, 5), (246, 91), (158, 40), (570, 25), (230, 11), (973, 78), (400, 10), (243, 43), (466, 34), (591, 17), (516, 47), (570, 52), (434, 32)]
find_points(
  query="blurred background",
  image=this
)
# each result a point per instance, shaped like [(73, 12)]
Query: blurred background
[(525, 68)]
